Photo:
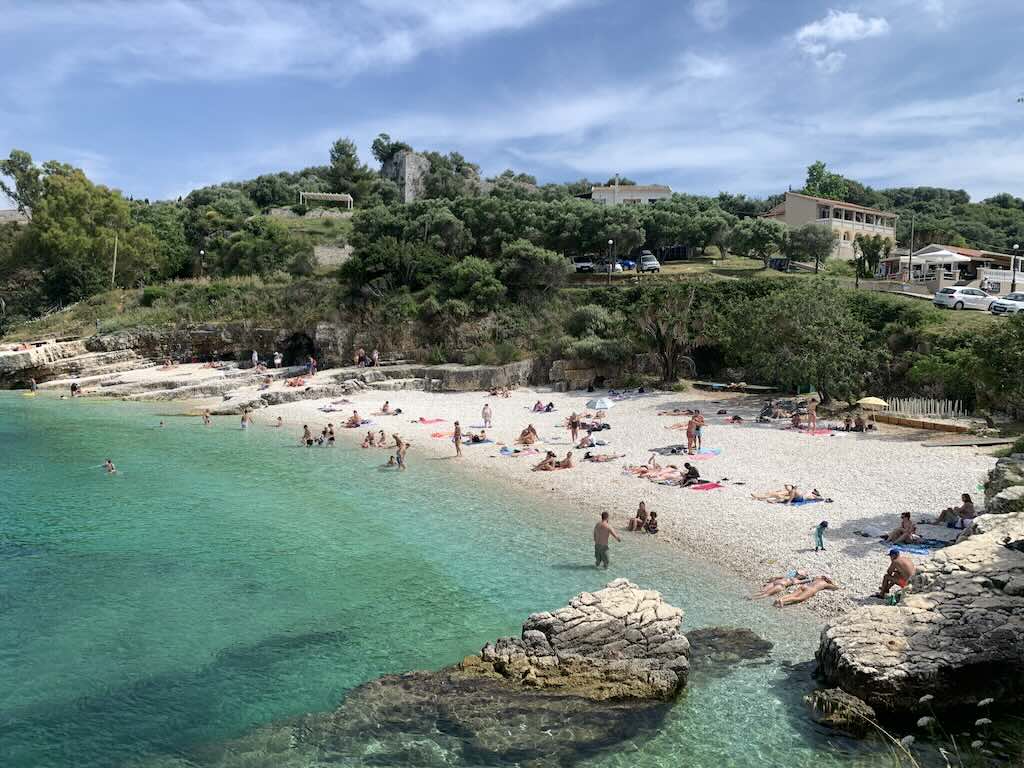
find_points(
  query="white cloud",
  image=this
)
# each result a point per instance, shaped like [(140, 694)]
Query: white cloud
[(698, 67), (231, 40), (710, 14), (819, 39)]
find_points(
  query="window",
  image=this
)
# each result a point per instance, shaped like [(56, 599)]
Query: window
[(846, 235), (837, 213)]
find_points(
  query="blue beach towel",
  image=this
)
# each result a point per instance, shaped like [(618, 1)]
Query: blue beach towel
[(804, 501), (923, 547)]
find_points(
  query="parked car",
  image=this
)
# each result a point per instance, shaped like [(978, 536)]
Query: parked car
[(962, 298), (583, 263), (648, 263), (1010, 304), (627, 263)]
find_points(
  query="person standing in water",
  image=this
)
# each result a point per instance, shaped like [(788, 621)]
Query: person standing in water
[(246, 418), (206, 417), (487, 414), (457, 439), (601, 533), (109, 466)]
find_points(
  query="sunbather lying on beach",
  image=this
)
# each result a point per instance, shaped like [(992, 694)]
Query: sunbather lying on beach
[(786, 495), (805, 592), (780, 584), (676, 412), (599, 458), (538, 407), (528, 436), (546, 464)]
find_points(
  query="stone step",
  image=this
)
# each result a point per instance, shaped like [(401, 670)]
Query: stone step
[(397, 385)]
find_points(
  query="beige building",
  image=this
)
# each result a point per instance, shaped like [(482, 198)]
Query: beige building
[(630, 194), (846, 219)]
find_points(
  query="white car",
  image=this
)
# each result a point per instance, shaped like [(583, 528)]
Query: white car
[(962, 298), (1010, 304)]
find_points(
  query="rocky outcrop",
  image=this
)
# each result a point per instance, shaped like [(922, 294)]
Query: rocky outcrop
[(1004, 491), (620, 642), (39, 362), (958, 634), (408, 170)]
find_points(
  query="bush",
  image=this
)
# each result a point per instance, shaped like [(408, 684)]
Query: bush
[(591, 320), (1018, 446), (839, 268), (437, 355), (151, 294), (597, 350), (300, 209)]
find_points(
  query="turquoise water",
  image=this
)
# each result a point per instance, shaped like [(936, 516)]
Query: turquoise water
[(227, 579)]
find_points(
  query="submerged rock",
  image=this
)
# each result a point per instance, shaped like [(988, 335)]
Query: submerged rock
[(835, 708), (718, 649)]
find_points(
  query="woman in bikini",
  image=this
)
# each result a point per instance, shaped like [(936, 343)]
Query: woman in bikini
[(806, 591)]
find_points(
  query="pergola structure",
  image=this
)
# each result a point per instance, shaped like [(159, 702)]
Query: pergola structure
[(326, 197)]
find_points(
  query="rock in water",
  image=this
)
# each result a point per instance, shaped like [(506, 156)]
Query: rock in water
[(839, 710), (622, 642)]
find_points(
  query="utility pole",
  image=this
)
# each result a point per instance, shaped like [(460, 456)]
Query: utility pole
[(113, 269), (1013, 280), (910, 254)]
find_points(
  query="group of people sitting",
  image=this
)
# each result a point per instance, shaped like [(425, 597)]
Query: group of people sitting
[(500, 392), (643, 521), (667, 475), (855, 423), (378, 441), (540, 407)]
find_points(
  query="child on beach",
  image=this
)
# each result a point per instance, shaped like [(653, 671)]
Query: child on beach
[(819, 536)]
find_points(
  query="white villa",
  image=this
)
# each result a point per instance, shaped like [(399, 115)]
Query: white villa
[(847, 219), (630, 194), (950, 264)]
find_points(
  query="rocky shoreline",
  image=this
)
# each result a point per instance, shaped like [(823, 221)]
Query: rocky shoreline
[(958, 633), (580, 680)]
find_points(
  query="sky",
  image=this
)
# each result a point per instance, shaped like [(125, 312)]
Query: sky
[(157, 97)]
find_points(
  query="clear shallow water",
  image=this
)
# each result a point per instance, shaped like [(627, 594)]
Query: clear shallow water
[(227, 579)]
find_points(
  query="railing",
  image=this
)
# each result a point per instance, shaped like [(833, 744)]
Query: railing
[(926, 407)]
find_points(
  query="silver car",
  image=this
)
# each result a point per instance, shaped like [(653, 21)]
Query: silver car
[(1010, 304), (962, 298)]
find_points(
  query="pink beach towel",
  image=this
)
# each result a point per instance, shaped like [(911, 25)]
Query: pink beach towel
[(706, 486), (819, 431), (431, 421)]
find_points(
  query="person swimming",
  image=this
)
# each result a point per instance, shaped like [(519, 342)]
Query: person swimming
[(279, 422), (108, 465)]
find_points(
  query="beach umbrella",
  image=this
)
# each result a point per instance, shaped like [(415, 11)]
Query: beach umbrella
[(600, 404), (872, 402)]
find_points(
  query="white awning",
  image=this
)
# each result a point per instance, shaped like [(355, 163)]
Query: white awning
[(935, 257)]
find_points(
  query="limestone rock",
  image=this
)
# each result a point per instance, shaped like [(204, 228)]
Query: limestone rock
[(958, 635), (837, 709), (622, 642)]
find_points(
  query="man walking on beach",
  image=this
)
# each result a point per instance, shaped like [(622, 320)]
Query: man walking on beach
[(486, 414), (601, 533)]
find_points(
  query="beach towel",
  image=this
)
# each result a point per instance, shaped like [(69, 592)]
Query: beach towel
[(705, 486), (801, 502), (439, 435), (330, 409), (478, 442), (430, 421), (506, 451), (819, 432), (923, 547)]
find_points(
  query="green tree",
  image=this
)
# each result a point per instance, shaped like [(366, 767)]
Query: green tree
[(263, 246), (527, 269), (787, 340), (823, 183), (473, 280), (671, 328), (27, 180), (757, 238), (811, 242), (869, 250), (384, 148), (1000, 351)]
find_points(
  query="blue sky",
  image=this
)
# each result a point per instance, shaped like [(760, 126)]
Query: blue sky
[(157, 97)]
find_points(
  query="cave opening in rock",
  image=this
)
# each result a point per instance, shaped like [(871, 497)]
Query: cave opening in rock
[(297, 348)]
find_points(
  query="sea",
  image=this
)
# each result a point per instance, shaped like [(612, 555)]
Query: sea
[(225, 579)]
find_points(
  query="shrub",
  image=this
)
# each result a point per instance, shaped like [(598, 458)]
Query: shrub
[(300, 209), (151, 294), (598, 350), (437, 355), (507, 353), (1018, 446), (839, 268), (591, 320)]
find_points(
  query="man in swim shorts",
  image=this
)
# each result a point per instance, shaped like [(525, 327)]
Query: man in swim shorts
[(601, 533), (901, 569)]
